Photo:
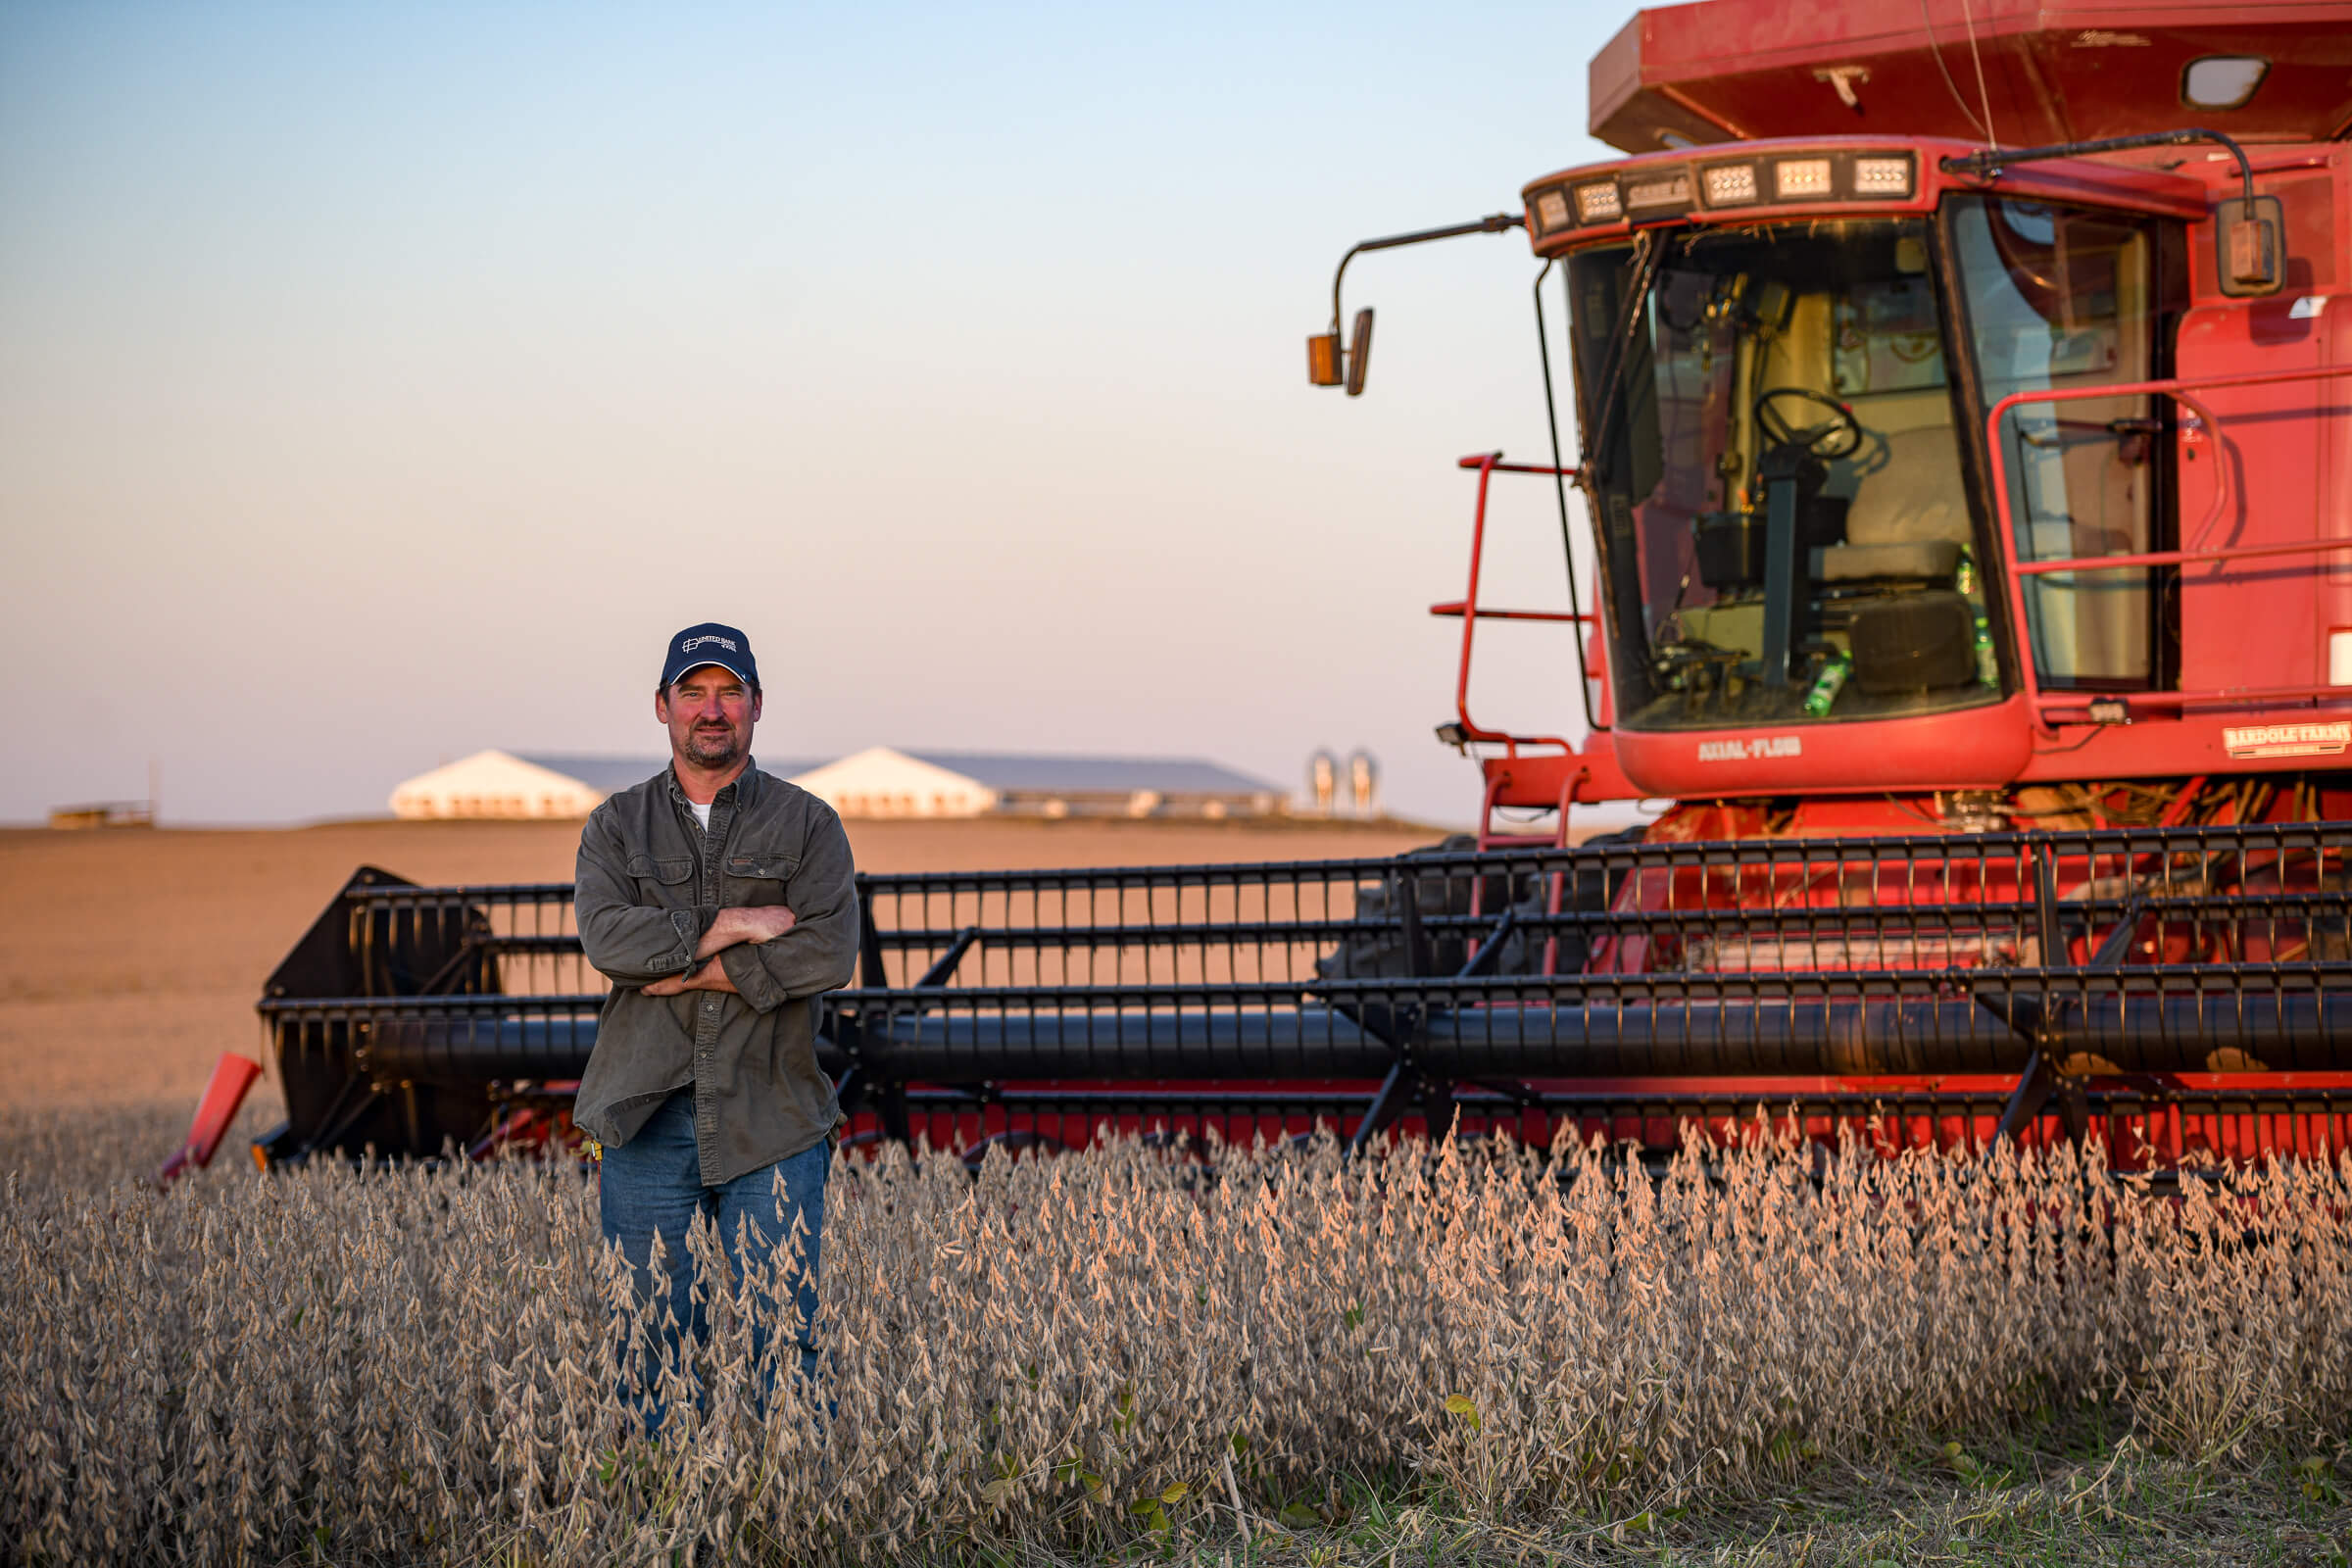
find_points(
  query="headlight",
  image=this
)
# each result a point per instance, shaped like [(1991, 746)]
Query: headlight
[(1551, 211), (1883, 176), (1801, 179), (1597, 203), (1729, 184)]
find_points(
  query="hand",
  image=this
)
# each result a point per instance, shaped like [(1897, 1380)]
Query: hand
[(712, 976), (763, 923)]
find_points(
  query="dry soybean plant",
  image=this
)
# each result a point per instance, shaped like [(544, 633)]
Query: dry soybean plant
[(421, 1365)]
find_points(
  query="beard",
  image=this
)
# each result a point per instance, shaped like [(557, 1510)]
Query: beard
[(713, 749)]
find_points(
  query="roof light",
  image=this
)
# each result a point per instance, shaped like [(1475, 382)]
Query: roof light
[(1798, 179), (2223, 81), (1729, 184), (1672, 189), (1551, 211), (1883, 176), (1596, 203)]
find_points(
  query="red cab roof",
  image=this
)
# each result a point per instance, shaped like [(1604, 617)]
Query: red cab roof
[(1736, 70)]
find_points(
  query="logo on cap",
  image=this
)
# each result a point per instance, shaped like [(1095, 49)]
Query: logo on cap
[(710, 642)]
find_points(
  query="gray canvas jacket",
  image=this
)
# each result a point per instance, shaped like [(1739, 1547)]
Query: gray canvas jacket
[(650, 881)]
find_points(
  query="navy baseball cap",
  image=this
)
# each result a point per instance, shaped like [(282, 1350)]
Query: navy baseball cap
[(710, 644)]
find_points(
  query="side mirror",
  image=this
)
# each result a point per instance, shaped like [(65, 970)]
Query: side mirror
[(1327, 363), (1323, 360), (2249, 243), (1324, 356), (1359, 353)]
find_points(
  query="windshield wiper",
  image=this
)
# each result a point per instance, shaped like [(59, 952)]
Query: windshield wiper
[(1648, 257)]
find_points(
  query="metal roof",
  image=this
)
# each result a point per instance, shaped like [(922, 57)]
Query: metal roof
[(1085, 776), (612, 774), (1034, 774), (607, 775)]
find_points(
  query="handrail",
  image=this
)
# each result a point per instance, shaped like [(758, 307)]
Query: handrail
[(2172, 557), (1456, 606), (1468, 608), (2244, 696), (2180, 389), (1493, 462)]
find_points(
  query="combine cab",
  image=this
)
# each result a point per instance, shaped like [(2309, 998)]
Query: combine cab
[(1973, 529)]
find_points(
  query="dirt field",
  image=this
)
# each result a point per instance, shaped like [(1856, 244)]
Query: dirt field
[(129, 961)]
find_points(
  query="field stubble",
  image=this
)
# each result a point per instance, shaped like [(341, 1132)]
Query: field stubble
[(1908, 1363), (1462, 1354)]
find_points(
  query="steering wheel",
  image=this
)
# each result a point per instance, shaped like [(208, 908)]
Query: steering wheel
[(1837, 436)]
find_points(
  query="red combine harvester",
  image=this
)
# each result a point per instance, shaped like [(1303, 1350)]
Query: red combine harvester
[(1966, 418)]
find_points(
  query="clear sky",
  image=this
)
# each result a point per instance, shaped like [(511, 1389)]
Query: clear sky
[(379, 384)]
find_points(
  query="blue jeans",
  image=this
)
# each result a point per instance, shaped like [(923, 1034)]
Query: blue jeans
[(652, 1184)]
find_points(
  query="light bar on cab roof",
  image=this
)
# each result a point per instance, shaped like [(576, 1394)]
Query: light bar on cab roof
[(1652, 191)]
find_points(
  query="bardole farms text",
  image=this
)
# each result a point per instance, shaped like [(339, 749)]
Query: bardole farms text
[(2288, 740)]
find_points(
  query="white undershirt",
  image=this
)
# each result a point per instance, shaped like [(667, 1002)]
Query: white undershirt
[(702, 814)]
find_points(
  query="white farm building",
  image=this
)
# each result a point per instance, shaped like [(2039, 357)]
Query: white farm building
[(880, 782), (496, 784)]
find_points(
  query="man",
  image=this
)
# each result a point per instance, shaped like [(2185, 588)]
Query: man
[(721, 902)]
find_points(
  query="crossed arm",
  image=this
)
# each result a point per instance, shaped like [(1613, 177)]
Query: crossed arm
[(664, 951), (729, 926)]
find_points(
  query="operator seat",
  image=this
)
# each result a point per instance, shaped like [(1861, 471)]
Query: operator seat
[(1908, 517)]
